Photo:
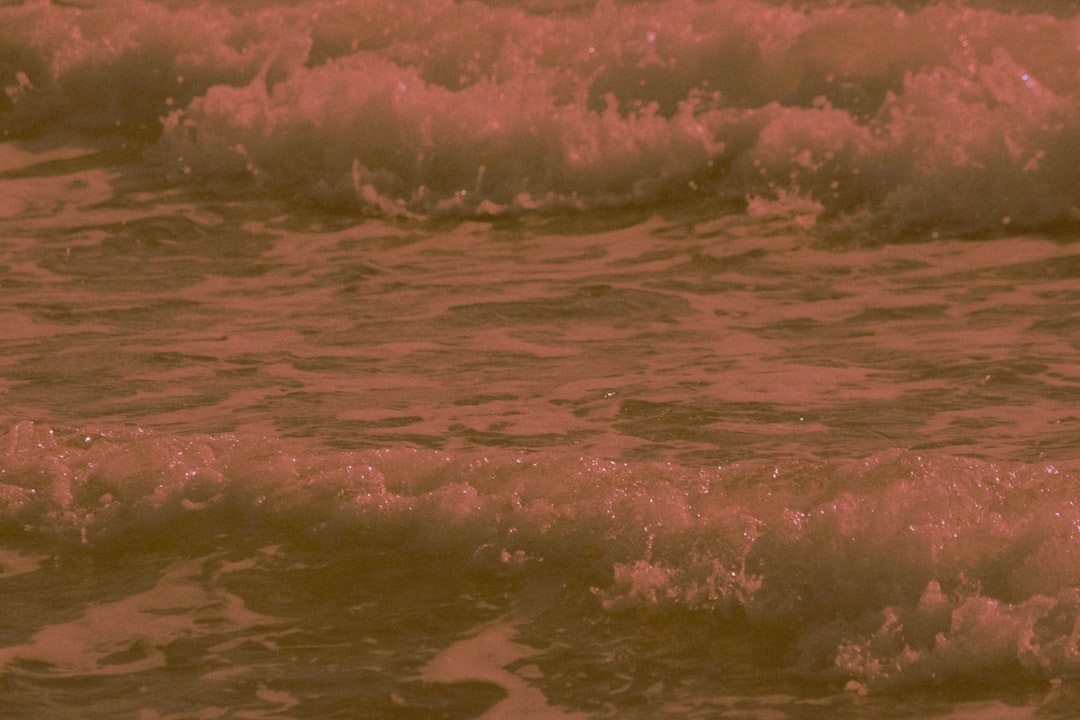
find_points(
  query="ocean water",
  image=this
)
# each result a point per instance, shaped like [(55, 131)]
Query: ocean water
[(539, 359)]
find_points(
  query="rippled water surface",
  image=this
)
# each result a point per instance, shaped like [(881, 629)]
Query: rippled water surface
[(525, 360), (666, 338)]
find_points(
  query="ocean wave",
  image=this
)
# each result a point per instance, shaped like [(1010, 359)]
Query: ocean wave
[(911, 119), (899, 568)]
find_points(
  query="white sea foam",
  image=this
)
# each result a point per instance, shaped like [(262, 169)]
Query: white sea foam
[(900, 569), (532, 358), (930, 119)]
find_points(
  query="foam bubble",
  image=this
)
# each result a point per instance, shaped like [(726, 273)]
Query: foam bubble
[(942, 118), (900, 568)]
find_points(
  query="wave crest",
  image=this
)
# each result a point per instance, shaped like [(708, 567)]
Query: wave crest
[(898, 568), (939, 119)]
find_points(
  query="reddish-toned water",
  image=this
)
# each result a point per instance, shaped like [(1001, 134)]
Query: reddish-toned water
[(539, 360)]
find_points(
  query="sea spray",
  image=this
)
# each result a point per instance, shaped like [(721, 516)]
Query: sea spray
[(908, 119), (903, 565)]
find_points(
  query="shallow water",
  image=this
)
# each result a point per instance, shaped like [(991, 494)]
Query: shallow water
[(539, 360)]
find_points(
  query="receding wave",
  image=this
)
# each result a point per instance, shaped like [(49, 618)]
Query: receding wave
[(901, 568), (914, 118)]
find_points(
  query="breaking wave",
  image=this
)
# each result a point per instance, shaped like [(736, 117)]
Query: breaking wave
[(900, 568), (912, 118)]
